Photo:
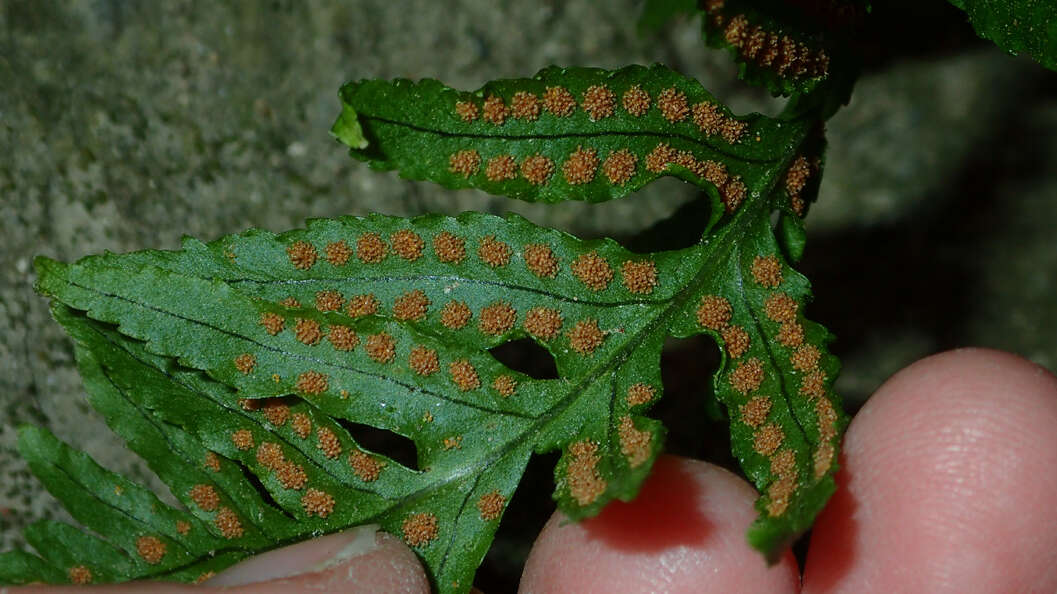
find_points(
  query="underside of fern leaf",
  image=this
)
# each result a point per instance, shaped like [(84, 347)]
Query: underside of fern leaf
[(798, 49), (1028, 28), (565, 134), (239, 368)]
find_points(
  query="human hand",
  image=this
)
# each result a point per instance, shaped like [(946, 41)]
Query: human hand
[(948, 484)]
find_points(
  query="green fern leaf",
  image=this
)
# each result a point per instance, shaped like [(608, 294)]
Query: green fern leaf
[(791, 49), (1017, 26), (565, 134), (388, 322)]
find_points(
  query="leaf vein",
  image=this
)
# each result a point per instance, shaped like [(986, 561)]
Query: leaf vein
[(235, 335), (441, 277), (530, 137)]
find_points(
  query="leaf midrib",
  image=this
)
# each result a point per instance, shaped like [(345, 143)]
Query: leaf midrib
[(569, 135), (771, 356), (439, 277), (289, 354)]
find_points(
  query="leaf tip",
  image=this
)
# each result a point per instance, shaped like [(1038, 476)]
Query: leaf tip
[(49, 271), (347, 129), (28, 437)]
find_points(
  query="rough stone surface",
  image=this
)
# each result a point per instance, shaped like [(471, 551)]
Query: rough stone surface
[(124, 127)]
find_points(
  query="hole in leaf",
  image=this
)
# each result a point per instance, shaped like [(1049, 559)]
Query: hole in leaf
[(253, 480), (526, 356), (398, 448), (681, 230), (689, 403)]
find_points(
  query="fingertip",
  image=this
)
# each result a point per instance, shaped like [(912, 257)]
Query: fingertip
[(360, 560), (947, 483), (685, 532)]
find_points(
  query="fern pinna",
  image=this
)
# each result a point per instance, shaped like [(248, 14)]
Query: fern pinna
[(236, 367)]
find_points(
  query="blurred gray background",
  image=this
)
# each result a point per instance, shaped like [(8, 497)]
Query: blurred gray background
[(124, 125)]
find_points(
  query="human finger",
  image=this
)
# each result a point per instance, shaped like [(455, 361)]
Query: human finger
[(685, 532), (948, 483)]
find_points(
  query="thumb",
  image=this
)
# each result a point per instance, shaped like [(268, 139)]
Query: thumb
[(359, 560)]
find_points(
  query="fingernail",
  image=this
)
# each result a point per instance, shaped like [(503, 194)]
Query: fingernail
[(311, 556)]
